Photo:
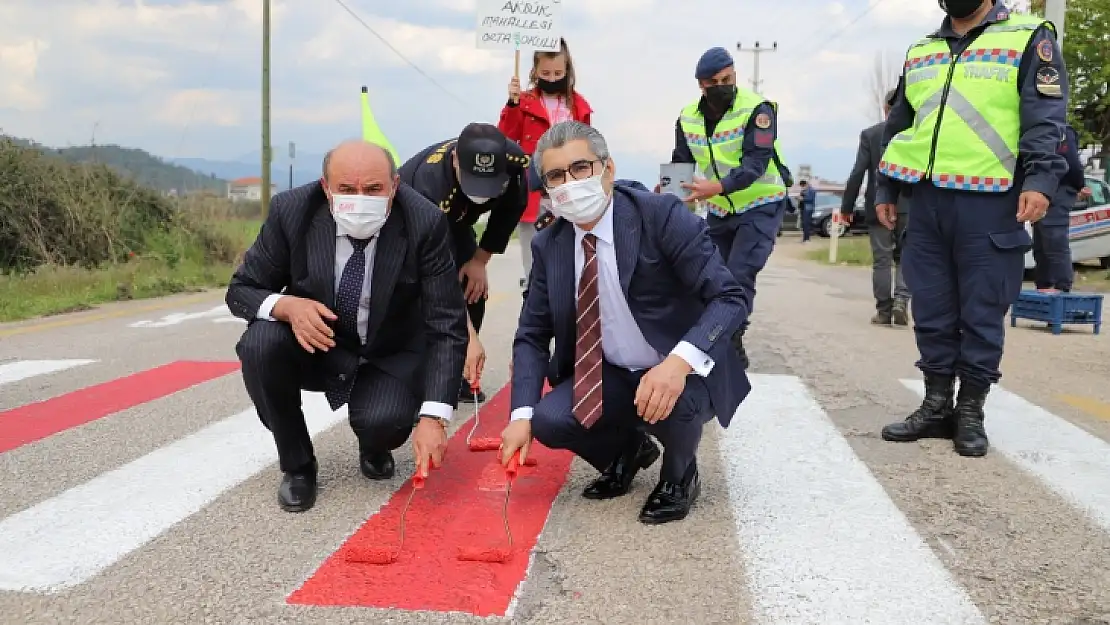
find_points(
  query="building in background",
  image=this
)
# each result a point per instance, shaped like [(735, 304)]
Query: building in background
[(819, 184), (247, 189)]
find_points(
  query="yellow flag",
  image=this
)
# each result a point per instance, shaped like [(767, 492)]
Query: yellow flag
[(370, 130)]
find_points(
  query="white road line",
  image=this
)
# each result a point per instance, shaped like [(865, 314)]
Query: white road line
[(823, 542), (1065, 458), (173, 319), (23, 369), (72, 537)]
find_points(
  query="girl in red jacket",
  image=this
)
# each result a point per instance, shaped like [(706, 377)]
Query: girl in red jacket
[(551, 99)]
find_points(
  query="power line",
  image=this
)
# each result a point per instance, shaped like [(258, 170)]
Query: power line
[(840, 31), (402, 56)]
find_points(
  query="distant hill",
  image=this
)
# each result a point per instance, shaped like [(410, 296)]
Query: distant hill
[(139, 165), (305, 169)]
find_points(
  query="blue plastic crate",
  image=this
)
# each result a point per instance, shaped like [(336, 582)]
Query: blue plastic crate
[(1056, 309)]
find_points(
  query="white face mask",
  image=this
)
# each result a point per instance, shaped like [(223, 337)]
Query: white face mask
[(359, 216), (478, 200), (580, 201)]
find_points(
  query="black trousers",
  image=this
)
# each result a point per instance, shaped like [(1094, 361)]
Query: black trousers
[(382, 409), (554, 425)]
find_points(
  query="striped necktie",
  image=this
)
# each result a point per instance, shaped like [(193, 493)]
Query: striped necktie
[(587, 348)]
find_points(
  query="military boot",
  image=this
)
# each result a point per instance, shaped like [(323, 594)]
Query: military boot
[(971, 437), (933, 419), (738, 344)]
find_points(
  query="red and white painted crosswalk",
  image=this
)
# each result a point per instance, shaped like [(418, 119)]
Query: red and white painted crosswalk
[(820, 538)]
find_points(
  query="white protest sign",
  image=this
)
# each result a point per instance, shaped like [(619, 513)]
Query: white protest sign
[(515, 25)]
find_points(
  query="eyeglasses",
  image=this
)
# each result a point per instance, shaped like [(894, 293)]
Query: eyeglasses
[(578, 170)]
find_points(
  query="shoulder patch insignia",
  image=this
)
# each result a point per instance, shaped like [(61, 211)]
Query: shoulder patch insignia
[(544, 221), (1048, 82), (1044, 50), (434, 158), (763, 121)]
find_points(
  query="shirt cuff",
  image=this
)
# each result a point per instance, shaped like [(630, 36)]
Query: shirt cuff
[(437, 409), (524, 413), (267, 307), (698, 360)]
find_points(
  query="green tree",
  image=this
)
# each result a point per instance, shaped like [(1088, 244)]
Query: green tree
[(1087, 55)]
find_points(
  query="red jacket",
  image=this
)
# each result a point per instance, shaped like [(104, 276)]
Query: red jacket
[(525, 123)]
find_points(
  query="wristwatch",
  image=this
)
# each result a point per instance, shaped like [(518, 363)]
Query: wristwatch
[(441, 420)]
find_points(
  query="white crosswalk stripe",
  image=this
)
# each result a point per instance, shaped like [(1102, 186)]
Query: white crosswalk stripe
[(24, 369), (820, 539), (823, 541), (1068, 460)]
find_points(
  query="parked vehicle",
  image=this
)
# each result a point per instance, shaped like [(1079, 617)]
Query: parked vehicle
[(1089, 231), (827, 203)]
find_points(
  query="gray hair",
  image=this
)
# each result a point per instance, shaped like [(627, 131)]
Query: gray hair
[(388, 157), (563, 133)]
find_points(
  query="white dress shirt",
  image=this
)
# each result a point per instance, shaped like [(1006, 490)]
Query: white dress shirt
[(622, 342), (343, 252)]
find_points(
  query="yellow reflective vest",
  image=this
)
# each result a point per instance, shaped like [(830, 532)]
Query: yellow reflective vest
[(967, 109), (716, 156)]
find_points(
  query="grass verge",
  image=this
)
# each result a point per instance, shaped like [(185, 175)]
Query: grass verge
[(172, 264), (856, 251)]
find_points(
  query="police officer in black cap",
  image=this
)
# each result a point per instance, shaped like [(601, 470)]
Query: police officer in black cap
[(481, 171)]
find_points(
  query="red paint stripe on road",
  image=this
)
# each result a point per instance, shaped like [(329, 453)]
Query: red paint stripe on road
[(460, 505), (33, 422)]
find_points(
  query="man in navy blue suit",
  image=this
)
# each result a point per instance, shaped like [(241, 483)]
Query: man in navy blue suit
[(641, 307)]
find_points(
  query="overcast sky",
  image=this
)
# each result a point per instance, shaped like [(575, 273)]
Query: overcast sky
[(180, 78)]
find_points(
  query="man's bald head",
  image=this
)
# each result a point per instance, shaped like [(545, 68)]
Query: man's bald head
[(357, 167)]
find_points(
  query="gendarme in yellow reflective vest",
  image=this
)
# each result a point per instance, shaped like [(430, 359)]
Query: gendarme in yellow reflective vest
[(717, 155), (967, 111)]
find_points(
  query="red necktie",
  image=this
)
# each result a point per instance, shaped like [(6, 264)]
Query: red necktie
[(587, 349)]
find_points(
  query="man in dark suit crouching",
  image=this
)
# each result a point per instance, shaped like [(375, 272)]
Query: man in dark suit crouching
[(641, 307), (350, 289)]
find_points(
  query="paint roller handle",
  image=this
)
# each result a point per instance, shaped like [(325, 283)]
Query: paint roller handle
[(513, 467)]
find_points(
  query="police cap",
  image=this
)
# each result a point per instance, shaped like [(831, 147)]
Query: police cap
[(483, 154)]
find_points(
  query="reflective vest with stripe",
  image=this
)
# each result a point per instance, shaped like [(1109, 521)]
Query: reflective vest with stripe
[(967, 111), (715, 156)]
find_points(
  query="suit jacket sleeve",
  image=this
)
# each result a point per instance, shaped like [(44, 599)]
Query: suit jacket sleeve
[(444, 316), (534, 331), (265, 269), (684, 239), (859, 169)]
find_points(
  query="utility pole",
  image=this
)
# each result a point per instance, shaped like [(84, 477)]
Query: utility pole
[(755, 52), (267, 157), (1054, 11), (292, 158)]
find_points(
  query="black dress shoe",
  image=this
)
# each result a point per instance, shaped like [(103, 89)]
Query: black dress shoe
[(297, 492), (617, 478), (470, 396), (671, 501), (376, 465)]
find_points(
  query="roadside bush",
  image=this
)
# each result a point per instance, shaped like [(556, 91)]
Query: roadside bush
[(57, 213)]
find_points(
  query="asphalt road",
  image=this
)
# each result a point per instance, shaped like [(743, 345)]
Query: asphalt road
[(152, 499)]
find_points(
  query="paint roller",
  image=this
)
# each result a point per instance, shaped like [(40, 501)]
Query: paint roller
[(385, 555), (482, 443), (497, 555), (485, 443)]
